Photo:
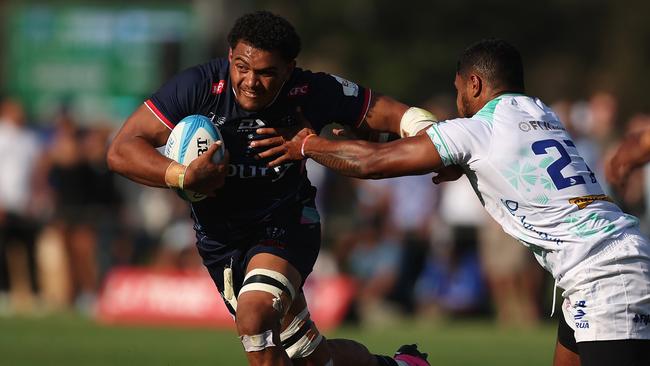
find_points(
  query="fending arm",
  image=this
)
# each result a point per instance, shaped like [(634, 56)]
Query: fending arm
[(361, 159)]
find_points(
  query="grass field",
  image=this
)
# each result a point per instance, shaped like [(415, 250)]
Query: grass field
[(69, 340)]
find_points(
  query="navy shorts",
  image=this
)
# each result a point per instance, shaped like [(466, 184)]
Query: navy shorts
[(294, 235)]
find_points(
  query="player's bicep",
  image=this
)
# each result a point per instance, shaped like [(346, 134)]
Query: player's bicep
[(144, 124), (384, 114)]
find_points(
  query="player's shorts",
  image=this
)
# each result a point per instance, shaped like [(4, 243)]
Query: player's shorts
[(293, 234), (608, 295), (605, 353)]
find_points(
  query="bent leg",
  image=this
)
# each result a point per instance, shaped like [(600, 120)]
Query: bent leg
[(566, 349), (263, 300), (564, 356)]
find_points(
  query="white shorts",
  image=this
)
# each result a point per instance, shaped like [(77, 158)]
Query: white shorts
[(608, 296)]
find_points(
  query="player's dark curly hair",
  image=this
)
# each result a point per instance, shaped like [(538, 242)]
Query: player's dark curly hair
[(266, 31), (495, 60)]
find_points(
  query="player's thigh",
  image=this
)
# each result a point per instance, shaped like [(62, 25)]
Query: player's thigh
[(627, 352), (566, 348), (564, 356)]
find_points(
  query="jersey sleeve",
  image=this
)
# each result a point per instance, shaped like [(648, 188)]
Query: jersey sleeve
[(180, 96), (460, 141), (334, 99)]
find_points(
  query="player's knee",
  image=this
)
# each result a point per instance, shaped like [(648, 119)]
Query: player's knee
[(263, 301), (255, 316)]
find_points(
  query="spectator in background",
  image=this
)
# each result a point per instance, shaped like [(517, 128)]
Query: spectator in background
[(513, 278), (451, 282), (103, 200), (373, 258), (19, 152), (72, 181), (413, 201), (626, 169)]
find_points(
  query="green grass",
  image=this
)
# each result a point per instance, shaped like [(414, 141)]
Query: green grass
[(70, 340)]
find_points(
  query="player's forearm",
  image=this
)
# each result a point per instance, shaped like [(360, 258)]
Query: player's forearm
[(352, 158), (136, 159)]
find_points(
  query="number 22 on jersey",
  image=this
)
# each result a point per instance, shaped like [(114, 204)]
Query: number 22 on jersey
[(554, 170)]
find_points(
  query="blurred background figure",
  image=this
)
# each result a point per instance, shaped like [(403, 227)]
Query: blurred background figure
[(19, 154), (514, 279), (86, 206), (373, 259), (71, 181)]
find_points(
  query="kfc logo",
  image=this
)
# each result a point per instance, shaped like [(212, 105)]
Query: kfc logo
[(299, 90), (217, 88)]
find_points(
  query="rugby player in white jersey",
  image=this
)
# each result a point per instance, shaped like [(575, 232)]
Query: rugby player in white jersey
[(529, 176)]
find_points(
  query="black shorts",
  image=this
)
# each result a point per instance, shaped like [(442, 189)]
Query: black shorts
[(626, 352), (294, 236)]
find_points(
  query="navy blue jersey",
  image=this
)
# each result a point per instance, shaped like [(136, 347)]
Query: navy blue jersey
[(252, 191)]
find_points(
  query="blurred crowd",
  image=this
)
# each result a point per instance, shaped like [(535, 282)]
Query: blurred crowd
[(414, 248)]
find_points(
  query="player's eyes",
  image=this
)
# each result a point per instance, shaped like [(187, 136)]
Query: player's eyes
[(241, 68)]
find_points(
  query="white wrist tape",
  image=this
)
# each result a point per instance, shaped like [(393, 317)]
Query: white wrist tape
[(414, 120)]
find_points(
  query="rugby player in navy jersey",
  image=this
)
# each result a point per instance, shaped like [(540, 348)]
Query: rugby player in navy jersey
[(258, 232)]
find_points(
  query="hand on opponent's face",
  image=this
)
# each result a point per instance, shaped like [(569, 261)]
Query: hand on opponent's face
[(203, 175), (285, 143)]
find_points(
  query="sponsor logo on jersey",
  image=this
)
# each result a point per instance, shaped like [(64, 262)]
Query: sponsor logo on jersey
[(299, 90), (585, 201), (217, 88), (243, 171), (540, 125), (641, 319), (512, 207), (349, 88), (579, 314), (250, 124)]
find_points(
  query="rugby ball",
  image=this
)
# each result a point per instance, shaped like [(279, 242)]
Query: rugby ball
[(190, 138)]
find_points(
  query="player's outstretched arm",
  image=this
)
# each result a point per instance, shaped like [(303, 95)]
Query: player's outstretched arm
[(133, 154), (633, 152), (362, 159)]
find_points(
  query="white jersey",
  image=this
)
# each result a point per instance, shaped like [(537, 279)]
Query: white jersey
[(530, 178)]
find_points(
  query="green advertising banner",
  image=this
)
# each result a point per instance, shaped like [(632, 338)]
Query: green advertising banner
[(99, 60)]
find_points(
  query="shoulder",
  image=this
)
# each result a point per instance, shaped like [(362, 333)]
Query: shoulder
[(305, 82), (215, 69)]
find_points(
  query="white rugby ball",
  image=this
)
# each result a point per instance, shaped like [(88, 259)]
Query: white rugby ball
[(190, 138)]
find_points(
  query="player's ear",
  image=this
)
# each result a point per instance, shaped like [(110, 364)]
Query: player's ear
[(475, 85), (230, 54)]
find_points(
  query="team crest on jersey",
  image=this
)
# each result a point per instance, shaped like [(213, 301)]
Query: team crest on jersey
[(217, 88), (349, 88), (298, 91)]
